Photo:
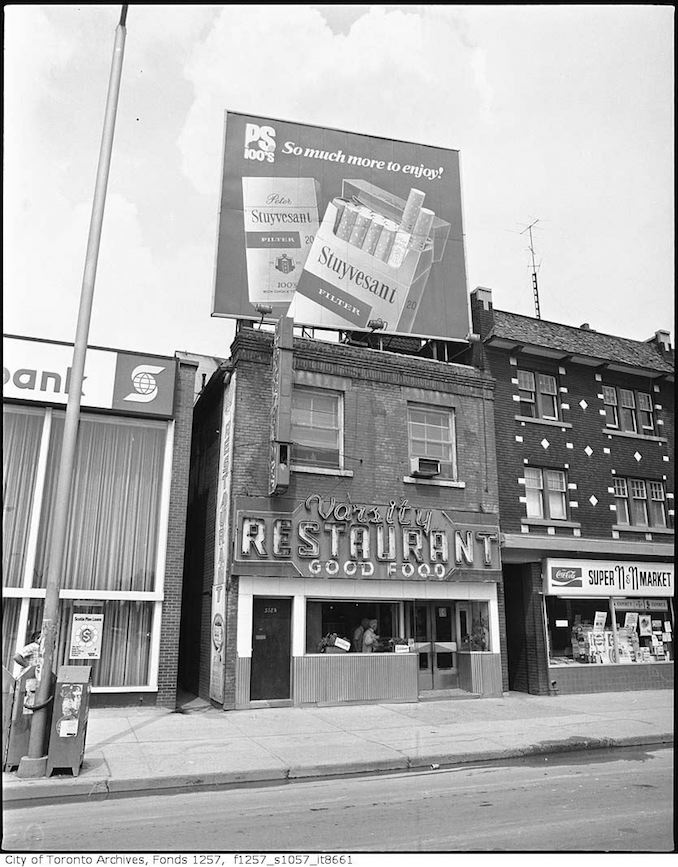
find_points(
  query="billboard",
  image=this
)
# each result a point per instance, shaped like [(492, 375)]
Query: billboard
[(339, 230)]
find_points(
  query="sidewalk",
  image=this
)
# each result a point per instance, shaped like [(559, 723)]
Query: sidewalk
[(136, 750)]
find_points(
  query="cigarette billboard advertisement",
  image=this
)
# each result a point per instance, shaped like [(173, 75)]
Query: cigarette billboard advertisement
[(339, 230)]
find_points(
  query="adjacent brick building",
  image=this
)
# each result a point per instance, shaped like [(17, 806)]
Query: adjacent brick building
[(585, 459), (378, 500)]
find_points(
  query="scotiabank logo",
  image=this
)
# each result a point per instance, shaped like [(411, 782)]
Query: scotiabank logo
[(259, 143), (571, 577), (144, 383)]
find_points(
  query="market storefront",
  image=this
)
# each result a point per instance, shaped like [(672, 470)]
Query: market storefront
[(609, 624), (312, 580)]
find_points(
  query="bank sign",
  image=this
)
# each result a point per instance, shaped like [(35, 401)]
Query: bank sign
[(608, 578), (38, 371), (339, 230), (326, 538)]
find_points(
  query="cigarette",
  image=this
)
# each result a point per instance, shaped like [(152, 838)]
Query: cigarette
[(360, 226), (385, 242), (373, 233), (422, 229), (412, 207), (347, 220), (339, 204), (399, 249)]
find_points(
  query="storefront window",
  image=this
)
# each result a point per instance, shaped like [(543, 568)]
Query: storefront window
[(10, 625), (21, 434), (328, 620), (125, 645), (115, 504), (474, 626), (600, 631)]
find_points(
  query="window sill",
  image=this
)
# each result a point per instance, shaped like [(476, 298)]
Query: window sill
[(323, 471), (612, 432), (436, 483), (544, 421), (601, 666), (629, 528), (543, 522)]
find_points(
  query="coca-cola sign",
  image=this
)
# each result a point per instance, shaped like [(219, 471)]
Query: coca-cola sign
[(567, 577)]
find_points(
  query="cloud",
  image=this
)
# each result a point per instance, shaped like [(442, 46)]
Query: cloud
[(386, 70)]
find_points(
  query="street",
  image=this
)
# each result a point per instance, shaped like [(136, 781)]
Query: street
[(609, 800)]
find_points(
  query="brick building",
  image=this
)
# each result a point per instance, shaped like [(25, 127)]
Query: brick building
[(585, 458), (124, 558), (333, 484)]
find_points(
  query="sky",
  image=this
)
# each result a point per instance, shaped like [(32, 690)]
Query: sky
[(562, 115)]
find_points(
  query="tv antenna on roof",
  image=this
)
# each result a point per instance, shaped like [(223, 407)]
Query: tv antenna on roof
[(535, 288)]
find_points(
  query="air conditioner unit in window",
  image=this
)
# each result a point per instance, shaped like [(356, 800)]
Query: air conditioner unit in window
[(424, 467)]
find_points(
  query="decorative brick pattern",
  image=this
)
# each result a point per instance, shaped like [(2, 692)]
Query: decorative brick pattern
[(589, 452)]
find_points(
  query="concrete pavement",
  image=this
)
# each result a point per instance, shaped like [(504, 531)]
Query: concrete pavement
[(137, 750)]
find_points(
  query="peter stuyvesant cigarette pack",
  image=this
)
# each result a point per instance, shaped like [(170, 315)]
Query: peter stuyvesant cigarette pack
[(281, 221), (367, 261)]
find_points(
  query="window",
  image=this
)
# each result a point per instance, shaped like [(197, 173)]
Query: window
[(628, 410), (114, 502), (546, 494), (342, 618), (21, 435), (538, 395), (608, 631), (431, 435), (611, 411), (119, 480), (640, 503), (316, 427)]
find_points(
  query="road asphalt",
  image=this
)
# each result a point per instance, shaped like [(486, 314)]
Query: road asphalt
[(137, 750)]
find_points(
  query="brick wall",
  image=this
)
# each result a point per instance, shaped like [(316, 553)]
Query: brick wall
[(588, 453), (174, 562), (378, 387), (611, 678)]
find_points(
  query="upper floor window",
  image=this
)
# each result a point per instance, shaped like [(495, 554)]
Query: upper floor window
[(538, 395), (640, 503), (316, 427), (628, 410), (546, 493), (431, 435)]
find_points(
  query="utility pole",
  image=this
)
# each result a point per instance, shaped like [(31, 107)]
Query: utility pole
[(535, 288), (35, 763)]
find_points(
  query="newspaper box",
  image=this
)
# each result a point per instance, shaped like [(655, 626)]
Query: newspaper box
[(22, 699), (69, 718)]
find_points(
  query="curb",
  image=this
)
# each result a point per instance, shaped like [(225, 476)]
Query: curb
[(21, 793)]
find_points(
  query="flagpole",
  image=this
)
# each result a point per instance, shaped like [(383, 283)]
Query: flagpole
[(35, 763)]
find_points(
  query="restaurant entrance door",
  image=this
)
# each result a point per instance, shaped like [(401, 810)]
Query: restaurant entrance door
[(271, 648), (433, 630)]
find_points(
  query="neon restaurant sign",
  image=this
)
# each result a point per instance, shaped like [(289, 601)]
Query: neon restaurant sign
[(326, 538)]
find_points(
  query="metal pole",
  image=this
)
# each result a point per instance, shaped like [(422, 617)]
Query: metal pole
[(35, 763)]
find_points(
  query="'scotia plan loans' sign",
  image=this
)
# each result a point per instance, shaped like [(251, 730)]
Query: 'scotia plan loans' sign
[(340, 230)]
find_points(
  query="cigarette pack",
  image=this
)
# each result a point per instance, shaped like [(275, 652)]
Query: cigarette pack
[(281, 221), (368, 261)]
